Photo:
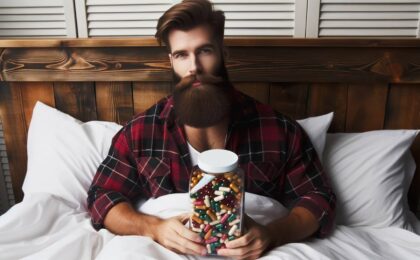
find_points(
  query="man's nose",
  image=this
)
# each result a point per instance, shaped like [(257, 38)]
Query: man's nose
[(195, 65)]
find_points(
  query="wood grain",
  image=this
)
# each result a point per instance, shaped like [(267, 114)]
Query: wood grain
[(145, 94), (114, 101), (366, 107), (33, 92), (76, 99), (258, 90), (289, 99), (325, 98)]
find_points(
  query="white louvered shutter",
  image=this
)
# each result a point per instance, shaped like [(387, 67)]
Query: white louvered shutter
[(363, 18), (46, 18), (101, 18)]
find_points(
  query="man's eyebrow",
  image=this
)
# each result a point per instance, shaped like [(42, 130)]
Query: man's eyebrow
[(206, 45)]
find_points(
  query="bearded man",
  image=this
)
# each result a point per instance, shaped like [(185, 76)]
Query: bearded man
[(154, 154)]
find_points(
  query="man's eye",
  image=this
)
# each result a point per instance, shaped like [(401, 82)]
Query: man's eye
[(206, 51), (180, 55)]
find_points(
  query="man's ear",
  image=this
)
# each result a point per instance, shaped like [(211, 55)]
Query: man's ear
[(170, 59)]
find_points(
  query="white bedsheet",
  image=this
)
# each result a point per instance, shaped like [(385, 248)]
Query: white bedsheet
[(48, 227)]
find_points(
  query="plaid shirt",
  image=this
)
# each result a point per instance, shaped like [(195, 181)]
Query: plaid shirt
[(149, 157)]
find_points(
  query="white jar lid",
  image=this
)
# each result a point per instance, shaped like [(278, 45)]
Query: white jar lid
[(217, 161)]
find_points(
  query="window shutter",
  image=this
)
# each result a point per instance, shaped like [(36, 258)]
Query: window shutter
[(46, 18), (363, 18), (101, 18)]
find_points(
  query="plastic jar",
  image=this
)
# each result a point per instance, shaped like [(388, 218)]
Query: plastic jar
[(217, 195)]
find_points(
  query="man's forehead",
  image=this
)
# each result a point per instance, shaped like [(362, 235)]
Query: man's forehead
[(184, 40)]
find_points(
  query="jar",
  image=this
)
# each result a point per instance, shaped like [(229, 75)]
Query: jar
[(217, 196)]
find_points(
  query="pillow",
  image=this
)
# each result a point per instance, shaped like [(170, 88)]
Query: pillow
[(316, 128), (370, 173), (64, 153)]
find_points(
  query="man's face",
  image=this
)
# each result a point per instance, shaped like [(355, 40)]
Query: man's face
[(194, 52)]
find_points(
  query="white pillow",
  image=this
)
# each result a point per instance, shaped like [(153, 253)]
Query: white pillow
[(316, 128), (64, 153), (370, 173)]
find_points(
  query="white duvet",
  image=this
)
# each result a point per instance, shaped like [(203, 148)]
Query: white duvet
[(47, 227)]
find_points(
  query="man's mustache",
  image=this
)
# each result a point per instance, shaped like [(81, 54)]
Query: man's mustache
[(207, 79)]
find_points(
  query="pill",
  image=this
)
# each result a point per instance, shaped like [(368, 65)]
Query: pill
[(198, 230), (200, 207), (218, 198), (207, 201), (224, 189), (198, 203), (215, 222), (211, 240), (219, 192), (208, 234), (208, 248), (211, 215), (207, 228), (234, 187), (197, 219), (231, 218), (236, 221), (232, 230), (224, 218)]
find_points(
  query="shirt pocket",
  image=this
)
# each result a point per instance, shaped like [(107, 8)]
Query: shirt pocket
[(263, 178), (157, 173)]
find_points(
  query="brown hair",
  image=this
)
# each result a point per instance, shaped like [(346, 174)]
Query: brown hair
[(187, 15)]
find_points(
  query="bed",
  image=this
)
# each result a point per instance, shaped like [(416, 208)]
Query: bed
[(61, 101)]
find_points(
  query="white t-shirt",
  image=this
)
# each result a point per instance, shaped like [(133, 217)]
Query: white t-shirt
[(193, 154)]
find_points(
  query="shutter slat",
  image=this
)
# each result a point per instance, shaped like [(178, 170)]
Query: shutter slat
[(369, 24), (368, 7), (30, 25), (370, 1), (260, 24), (31, 3), (18, 18), (33, 32), (367, 32), (260, 15), (127, 8), (123, 16), (369, 16), (32, 10), (122, 32), (260, 32), (123, 24), (256, 7), (127, 2), (253, 1)]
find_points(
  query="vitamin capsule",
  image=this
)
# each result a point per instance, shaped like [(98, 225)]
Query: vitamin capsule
[(198, 230), (232, 230), (234, 187), (236, 221), (197, 219), (207, 201), (214, 222), (211, 240), (219, 192), (208, 249), (201, 207), (224, 218), (232, 218), (198, 203), (211, 215), (208, 234), (207, 228), (226, 189), (223, 211), (219, 198)]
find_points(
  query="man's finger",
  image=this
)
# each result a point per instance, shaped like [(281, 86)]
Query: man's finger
[(188, 234), (242, 241), (189, 247)]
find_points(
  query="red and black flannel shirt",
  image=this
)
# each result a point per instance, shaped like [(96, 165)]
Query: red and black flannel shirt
[(149, 157)]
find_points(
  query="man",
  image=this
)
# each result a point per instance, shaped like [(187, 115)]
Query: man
[(153, 155)]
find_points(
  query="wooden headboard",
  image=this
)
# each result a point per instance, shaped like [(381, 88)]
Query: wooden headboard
[(369, 83)]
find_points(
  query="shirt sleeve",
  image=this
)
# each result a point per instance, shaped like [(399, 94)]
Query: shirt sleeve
[(116, 180), (306, 184)]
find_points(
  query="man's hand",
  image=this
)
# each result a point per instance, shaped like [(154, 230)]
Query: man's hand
[(251, 245), (172, 234)]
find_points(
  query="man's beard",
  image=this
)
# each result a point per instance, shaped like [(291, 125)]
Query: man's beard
[(205, 105)]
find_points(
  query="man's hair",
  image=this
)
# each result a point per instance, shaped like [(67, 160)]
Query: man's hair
[(187, 15)]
